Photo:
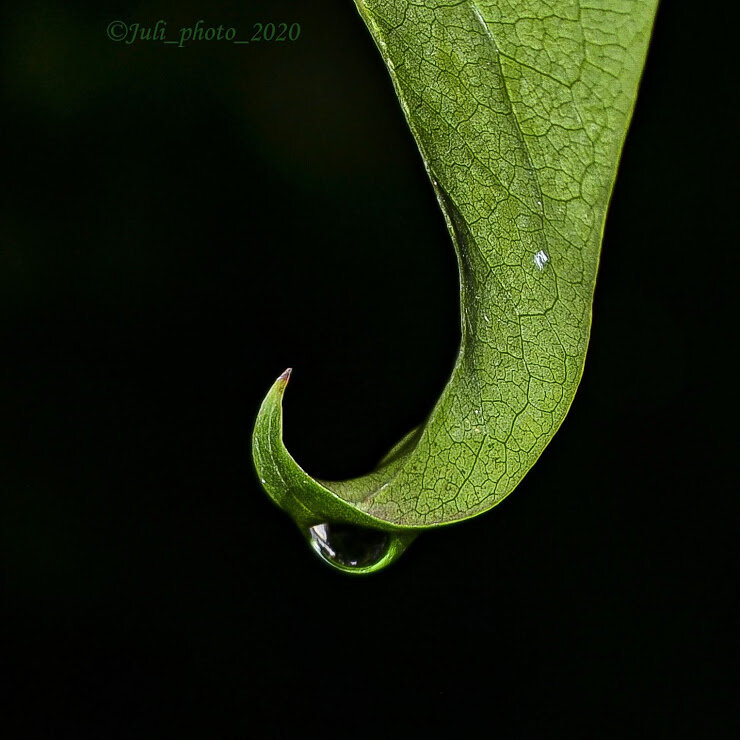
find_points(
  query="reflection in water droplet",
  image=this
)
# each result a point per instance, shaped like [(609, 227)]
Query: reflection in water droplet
[(349, 546)]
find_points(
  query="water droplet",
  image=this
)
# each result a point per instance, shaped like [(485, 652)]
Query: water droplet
[(541, 259), (349, 546)]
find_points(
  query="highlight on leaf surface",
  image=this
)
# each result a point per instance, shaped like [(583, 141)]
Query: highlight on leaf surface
[(519, 109)]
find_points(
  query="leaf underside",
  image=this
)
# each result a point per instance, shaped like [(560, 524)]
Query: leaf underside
[(520, 109)]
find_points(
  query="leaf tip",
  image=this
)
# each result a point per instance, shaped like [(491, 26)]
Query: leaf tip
[(285, 377)]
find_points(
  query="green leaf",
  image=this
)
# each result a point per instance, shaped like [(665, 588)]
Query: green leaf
[(520, 109)]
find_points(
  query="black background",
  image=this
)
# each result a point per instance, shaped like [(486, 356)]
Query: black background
[(179, 226)]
